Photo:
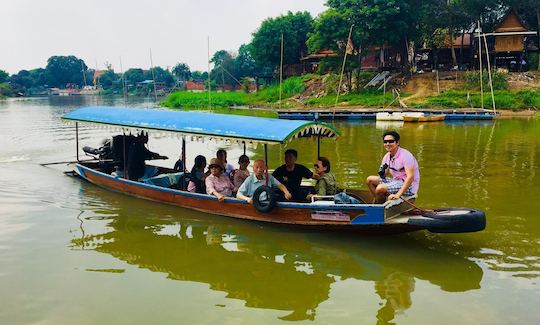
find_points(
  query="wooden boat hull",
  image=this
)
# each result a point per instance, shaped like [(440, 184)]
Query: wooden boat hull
[(368, 219), (359, 218)]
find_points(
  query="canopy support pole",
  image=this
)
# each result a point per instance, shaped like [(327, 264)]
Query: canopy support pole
[(266, 154), (77, 140), (124, 153), (244, 142), (318, 146)]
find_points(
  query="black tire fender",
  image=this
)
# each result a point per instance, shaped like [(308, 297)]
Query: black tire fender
[(452, 220), (264, 206)]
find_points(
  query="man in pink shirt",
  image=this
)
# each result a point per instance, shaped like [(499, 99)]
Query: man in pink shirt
[(403, 168)]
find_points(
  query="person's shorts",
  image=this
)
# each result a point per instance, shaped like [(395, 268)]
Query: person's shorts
[(393, 186)]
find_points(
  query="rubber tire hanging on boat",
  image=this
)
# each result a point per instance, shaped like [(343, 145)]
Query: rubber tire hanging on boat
[(470, 220), (267, 205)]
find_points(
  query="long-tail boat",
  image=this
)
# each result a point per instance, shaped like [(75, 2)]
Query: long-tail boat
[(395, 216)]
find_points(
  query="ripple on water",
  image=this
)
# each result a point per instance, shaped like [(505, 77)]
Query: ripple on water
[(13, 159)]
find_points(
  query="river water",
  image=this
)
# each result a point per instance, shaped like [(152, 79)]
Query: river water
[(71, 252)]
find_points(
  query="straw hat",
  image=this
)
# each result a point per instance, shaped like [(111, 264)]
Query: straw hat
[(215, 162)]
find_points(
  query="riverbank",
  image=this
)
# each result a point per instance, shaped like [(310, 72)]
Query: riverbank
[(312, 91)]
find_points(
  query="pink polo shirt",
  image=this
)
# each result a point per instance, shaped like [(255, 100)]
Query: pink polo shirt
[(397, 164)]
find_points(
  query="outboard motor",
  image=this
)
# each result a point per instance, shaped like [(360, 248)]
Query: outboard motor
[(102, 153)]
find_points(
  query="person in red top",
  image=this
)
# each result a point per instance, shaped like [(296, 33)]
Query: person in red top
[(403, 168)]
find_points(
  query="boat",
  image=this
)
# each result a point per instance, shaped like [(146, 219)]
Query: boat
[(396, 116), (395, 216), (425, 118)]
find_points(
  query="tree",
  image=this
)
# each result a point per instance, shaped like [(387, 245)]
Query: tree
[(22, 79), (224, 69), (265, 46), (109, 79), (62, 70), (134, 75), (160, 75), (330, 31), (376, 22), (199, 76), (244, 64), (3, 76), (181, 71)]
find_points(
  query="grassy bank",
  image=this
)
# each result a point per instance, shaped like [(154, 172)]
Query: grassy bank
[(364, 98), (504, 99), (295, 93), (267, 97), (185, 99)]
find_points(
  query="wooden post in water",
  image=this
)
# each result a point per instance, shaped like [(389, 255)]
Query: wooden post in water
[(489, 75)]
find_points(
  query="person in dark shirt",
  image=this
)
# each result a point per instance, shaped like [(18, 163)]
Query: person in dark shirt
[(179, 165), (137, 154), (290, 174)]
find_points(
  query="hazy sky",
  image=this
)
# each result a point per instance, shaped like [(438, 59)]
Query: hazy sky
[(100, 31)]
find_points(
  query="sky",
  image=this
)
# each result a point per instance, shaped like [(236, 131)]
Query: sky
[(107, 31)]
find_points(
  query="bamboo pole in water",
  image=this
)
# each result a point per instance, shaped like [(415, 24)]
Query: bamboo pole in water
[(153, 75), (209, 84), (83, 73), (489, 75), (480, 58), (438, 86), (124, 91), (281, 71), (342, 70)]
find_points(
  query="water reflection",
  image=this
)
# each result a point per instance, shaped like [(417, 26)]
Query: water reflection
[(266, 266)]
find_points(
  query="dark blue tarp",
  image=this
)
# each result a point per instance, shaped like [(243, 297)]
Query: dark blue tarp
[(201, 123)]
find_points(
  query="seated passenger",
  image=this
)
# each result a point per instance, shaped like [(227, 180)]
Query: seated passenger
[(179, 165), (242, 173), (217, 183), (326, 184), (196, 183), (137, 154), (221, 155), (290, 174), (255, 180)]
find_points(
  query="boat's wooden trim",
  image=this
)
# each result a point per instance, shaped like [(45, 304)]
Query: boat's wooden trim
[(292, 213)]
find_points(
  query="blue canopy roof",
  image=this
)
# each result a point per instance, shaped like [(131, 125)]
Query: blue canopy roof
[(236, 127)]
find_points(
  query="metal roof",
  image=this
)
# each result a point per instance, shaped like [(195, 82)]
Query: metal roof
[(204, 124)]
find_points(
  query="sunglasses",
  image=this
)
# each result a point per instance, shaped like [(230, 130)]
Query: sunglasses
[(389, 141)]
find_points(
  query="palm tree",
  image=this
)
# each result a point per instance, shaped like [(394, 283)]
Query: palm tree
[(181, 71)]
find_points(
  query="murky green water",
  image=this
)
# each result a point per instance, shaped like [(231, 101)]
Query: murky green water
[(71, 252)]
